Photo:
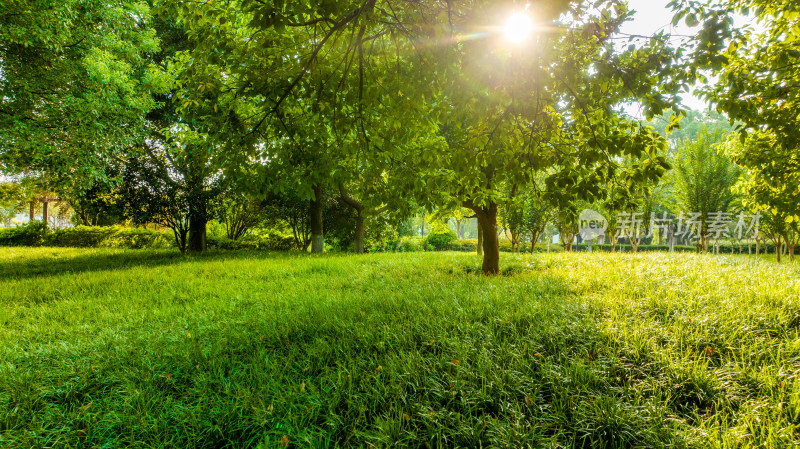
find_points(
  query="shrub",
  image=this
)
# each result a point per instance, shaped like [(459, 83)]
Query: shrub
[(440, 239), (628, 248), (277, 242), (109, 237), (410, 244), (138, 238), (270, 242), (471, 245), (31, 234), (80, 236), (223, 242), (36, 234)]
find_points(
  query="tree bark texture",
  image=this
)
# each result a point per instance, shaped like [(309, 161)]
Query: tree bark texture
[(317, 231)]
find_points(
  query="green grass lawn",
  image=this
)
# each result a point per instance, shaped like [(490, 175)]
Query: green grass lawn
[(111, 348)]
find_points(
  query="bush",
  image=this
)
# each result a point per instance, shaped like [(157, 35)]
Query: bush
[(36, 234), (109, 237), (277, 242), (80, 236), (223, 242), (410, 244), (463, 245), (31, 234), (471, 245), (138, 238), (270, 242), (439, 239), (628, 248)]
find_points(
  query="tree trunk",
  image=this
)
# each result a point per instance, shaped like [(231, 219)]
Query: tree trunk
[(32, 216), (180, 237), (197, 234), (317, 234), (44, 213), (514, 242), (480, 240), (778, 241), (534, 239), (487, 220), (358, 243), (197, 226), (458, 229)]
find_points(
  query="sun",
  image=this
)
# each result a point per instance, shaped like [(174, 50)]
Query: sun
[(518, 27)]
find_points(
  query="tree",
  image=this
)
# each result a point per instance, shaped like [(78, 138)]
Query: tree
[(290, 210), (772, 184), (546, 108), (690, 125), (158, 188), (468, 120), (240, 213), (567, 225), (704, 180), (75, 85), (536, 216), (12, 201), (757, 73), (512, 217)]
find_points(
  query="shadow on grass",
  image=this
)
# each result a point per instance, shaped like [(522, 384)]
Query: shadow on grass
[(58, 263)]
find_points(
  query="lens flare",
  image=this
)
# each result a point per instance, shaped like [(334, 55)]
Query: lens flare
[(518, 28)]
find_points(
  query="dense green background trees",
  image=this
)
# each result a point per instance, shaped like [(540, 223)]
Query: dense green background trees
[(372, 111), (76, 83)]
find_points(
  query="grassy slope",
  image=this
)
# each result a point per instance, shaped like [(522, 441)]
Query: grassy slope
[(114, 348)]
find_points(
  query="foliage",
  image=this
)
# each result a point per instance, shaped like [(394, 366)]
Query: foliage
[(12, 200), (76, 83), (691, 125), (757, 68), (772, 183), (536, 216), (240, 214), (36, 234), (352, 108), (152, 195), (704, 179), (108, 237), (381, 234), (287, 210), (440, 238), (600, 344), (411, 244), (31, 234), (267, 242)]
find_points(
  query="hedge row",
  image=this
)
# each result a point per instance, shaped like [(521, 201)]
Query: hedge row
[(36, 234), (470, 245), (271, 242)]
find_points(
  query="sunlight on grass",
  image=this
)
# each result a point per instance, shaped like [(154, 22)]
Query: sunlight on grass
[(113, 348)]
